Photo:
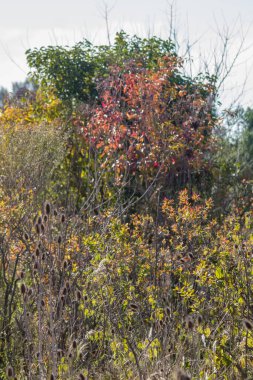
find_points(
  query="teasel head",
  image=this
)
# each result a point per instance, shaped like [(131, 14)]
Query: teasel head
[(59, 240), (248, 324), (190, 254), (81, 376), (42, 228), (78, 295), (23, 289), (37, 228), (47, 208), (45, 218), (9, 372), (37, 252), (26, 236), (52, 377), (22, 274), (189, 323), (59, 353), (39, 221), (181, 375), (63, 218), (74, 344), (199, 319), (133, 306)]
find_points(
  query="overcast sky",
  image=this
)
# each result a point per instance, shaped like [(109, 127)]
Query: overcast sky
[(26, 24)]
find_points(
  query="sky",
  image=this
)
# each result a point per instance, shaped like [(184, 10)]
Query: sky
[(31, 23)]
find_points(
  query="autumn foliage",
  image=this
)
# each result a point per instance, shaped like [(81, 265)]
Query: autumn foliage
[(149, 123)]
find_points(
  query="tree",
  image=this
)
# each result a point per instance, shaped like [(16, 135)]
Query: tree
[(73, 71)]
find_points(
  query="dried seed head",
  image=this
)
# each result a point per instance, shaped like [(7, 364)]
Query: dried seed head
[(42, 228), (37, 252), (9, 371), (55, 213), (59, 239), (167, 311), (42, 303), (26, 236), (182, 375), (74, 344), (65, 264), (45, 218), (36, 265), (22, 274), (62, 218), (248, 324), (37, 228), (64, 292), (189, 323), (23, 288), (81, 376), (47, 208), (200, 319), (39, 220), (78, 295), (86, 298), (133, 306), (59, 353), (52, 377)]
